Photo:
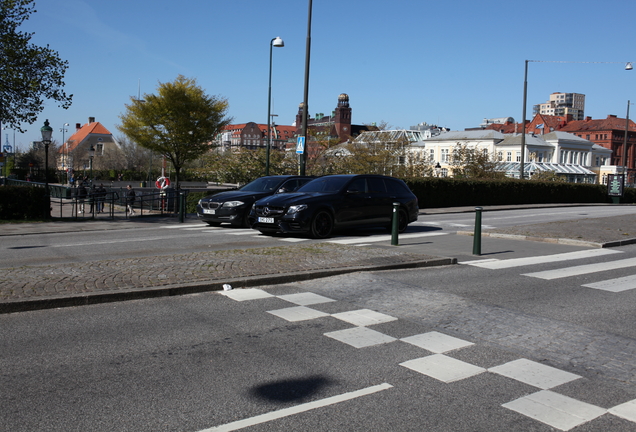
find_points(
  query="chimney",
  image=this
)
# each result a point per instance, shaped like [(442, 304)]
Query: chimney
[(91, 120), (77, 126), (588, 118)]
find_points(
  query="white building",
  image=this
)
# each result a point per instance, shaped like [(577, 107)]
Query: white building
[(566, 154)]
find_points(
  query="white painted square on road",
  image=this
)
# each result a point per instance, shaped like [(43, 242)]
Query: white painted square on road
[(558, 411), (360, 337), (615, 285), (436, 342), (443, 368), (305, 298), (626, 410), (298, 313), (364, 317), (246, 294), (534, 374)]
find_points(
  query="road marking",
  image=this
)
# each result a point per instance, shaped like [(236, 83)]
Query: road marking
[(267, 417), (381, 238), (615, 285), (518, 262), (582, 269)]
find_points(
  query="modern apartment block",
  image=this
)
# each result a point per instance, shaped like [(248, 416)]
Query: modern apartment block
[(561, 104)]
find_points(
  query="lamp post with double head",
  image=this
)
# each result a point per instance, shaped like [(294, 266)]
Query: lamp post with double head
[(47, 132), (276, 42)]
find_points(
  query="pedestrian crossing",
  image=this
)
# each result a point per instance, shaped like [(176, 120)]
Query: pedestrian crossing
[(348, 240), (612, 285), (440, 360)]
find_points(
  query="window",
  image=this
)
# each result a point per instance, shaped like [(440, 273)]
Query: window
[(518, 156), (431, 155), (445, 155), (509, 157)]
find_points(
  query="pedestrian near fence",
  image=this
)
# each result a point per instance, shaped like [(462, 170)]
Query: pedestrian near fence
[(101, 197), (130, 200)]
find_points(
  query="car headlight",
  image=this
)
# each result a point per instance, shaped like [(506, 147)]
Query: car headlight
[(296, 208), (200, 201), (233, 203)]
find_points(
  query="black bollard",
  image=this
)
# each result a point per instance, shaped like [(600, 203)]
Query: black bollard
[(477, 233)]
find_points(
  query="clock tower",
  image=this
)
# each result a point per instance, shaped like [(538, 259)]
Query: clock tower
[(342, 118)]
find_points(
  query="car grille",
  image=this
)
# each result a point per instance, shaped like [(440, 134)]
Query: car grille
[(269, 211), (210, 205)]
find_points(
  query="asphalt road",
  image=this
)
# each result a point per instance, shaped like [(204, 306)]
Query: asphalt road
[(168, 239), (197, 362)]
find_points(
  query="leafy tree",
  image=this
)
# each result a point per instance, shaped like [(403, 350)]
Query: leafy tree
[(475, 163), (179, 122), (244, 165), (29, 74), (382, 154)]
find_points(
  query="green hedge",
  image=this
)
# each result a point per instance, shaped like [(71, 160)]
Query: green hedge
[(448, 192), (24, 203)]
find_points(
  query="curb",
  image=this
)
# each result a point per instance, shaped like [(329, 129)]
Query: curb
[(53, 302), (563, 241)]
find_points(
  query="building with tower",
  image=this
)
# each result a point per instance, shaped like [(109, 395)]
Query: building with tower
[(333, 129)]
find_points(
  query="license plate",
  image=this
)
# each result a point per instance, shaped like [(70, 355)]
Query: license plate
[(266, 220), (208, 211)]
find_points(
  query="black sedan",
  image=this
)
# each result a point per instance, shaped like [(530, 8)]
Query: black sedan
[(336, 202), (234, 206)]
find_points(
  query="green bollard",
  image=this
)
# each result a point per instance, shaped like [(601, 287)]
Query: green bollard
[(395, 226), (477, 233)]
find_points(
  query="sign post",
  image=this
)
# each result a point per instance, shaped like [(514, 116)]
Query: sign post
[(615, 187)]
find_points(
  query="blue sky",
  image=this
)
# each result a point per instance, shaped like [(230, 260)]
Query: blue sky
[(451, 63)]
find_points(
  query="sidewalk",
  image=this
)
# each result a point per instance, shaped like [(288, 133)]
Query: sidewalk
[(50, 286)]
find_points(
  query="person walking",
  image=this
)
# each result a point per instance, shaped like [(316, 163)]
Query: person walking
[(101, 196), (81, 196), (130, 200)]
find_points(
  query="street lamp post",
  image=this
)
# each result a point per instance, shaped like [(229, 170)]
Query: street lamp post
[(628, 66), (64, 161), (276, 42), (47, 132), (303, 156), (91, 154)]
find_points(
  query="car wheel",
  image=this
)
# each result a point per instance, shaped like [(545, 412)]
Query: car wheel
[(214, 224), (403, 221), (321, 225)]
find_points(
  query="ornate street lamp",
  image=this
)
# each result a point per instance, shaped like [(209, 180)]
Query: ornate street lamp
[(47, 132), (276, 42)]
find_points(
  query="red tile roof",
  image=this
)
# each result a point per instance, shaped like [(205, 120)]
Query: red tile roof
[(94, 128)]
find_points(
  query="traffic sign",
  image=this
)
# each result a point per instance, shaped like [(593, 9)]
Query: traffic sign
[(300, 145)]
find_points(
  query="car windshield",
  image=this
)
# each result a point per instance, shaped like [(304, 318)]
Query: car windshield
[(263, 184), (325, 184)]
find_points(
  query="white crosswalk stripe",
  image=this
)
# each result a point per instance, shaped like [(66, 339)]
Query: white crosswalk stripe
[(615, 285), (518, 262), (583, 269), (612, 285)]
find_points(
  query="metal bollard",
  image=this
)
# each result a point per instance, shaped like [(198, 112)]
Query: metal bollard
[(477, 233), (181, 207), (395, 225)]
